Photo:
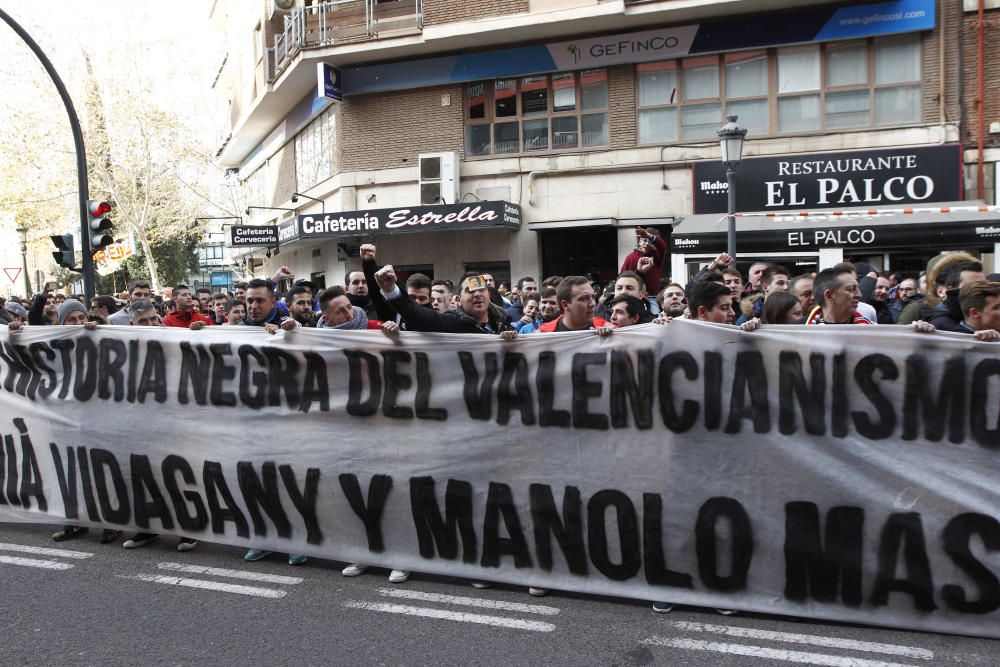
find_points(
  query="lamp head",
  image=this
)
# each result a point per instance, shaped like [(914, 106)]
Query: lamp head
[(295, 199), (731, 138)]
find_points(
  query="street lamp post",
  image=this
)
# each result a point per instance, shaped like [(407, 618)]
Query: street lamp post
[(731, 138), (23, 231)]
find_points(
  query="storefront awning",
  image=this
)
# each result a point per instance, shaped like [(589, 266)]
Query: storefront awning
[(944, 225)]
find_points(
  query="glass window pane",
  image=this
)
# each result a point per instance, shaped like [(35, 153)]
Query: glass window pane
[(700, 121), (658, 87), (477, 140), (746, 78), (752, 115), (506, 139), (848, 109), (894, 106), (595, 129), (563, 92), (796, 114), (897, 59), (534, 95), (847, 65), (701, 81), (536, 134), (505, 96), (657, 125), (798, 69), (476, 103), (564, 132), (594, 89)]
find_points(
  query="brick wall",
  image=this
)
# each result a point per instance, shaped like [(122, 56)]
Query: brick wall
[(380, 131), (282, 166), (991, 77), (948, 21), (621, 112), (437, 12)]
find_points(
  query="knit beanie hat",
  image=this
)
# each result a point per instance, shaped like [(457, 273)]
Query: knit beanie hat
[(67, 307)]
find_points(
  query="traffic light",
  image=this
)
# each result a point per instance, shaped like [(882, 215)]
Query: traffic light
[(65, 256), (100, 226)]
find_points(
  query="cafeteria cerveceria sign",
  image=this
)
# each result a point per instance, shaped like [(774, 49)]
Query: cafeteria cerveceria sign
[(899, 176), (473, 215)]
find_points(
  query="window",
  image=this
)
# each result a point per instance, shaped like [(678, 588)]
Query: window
[(838, 85), (314, 151), (562, 111)]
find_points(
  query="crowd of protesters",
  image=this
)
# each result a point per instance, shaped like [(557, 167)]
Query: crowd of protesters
[(952, 295)]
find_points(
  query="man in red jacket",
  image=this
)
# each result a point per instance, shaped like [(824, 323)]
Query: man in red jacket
[(576, 298), (647, 259), (183, 314)]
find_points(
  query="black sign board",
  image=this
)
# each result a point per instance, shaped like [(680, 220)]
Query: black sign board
[(902, 176), (967, 234), (445, 217), (253, 235)]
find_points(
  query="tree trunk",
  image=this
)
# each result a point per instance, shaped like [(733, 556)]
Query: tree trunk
[(154, 278)]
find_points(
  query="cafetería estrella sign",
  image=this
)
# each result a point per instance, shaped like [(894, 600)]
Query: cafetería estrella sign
[(446, 217), (898, 176)]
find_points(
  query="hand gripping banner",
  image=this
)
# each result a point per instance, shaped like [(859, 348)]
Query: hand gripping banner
[(844, 473)]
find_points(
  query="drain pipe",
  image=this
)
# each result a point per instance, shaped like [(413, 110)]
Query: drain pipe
[(979, 101)]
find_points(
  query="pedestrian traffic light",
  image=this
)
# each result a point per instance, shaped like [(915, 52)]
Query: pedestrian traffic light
[(100, 226), (65, 256)]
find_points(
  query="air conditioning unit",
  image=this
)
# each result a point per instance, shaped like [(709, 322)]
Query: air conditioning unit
[(439, 178), (280, 7)]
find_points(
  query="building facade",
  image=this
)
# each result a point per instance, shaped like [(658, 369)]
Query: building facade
[(530, 137)]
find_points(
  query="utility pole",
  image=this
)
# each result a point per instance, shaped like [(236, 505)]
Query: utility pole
[(81, 154)]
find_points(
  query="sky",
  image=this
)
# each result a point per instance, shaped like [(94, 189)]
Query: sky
[(170, 44)]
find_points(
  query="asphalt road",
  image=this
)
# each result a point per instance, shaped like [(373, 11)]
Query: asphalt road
[(83, 603)]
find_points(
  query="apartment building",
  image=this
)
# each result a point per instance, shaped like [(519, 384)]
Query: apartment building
[(530, 137)]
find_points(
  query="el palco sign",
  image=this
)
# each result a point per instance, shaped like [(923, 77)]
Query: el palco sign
[(833, 180), (474, 215)]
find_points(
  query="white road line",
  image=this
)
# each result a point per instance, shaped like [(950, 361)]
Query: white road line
[(426, 612), (468, 602), (207, 585), (35, 562), (231, 574), (770, 653), (42, 551), (793, 638)]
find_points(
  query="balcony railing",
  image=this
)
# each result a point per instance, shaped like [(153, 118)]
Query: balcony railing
[(339, 21)]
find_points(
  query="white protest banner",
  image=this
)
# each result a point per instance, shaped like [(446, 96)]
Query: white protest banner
[(844, 473), (110, 259)]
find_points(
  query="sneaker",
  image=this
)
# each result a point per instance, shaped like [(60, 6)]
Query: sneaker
[(297, 560), (536, 591), (663, 607), (68, 533), (480, 584), (398, 576), (353, 570), (139, 540), (726, 612), (256, 554), (186, 544), (109, 535)]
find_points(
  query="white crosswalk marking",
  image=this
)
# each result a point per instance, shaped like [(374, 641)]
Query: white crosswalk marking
[(207, 585), (231, 574), (469, 602), (35, 562), (769, 653), (443, 614), (815, 640), (43, 551)]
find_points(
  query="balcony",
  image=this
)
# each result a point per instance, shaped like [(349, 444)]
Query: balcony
[(339, 22)]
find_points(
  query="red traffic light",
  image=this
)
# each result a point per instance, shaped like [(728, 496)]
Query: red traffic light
[(98, 207)]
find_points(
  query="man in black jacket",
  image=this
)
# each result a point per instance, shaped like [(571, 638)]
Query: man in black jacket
[(475, 314)]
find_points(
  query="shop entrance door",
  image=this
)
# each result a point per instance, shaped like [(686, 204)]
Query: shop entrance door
[(581, 252)]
